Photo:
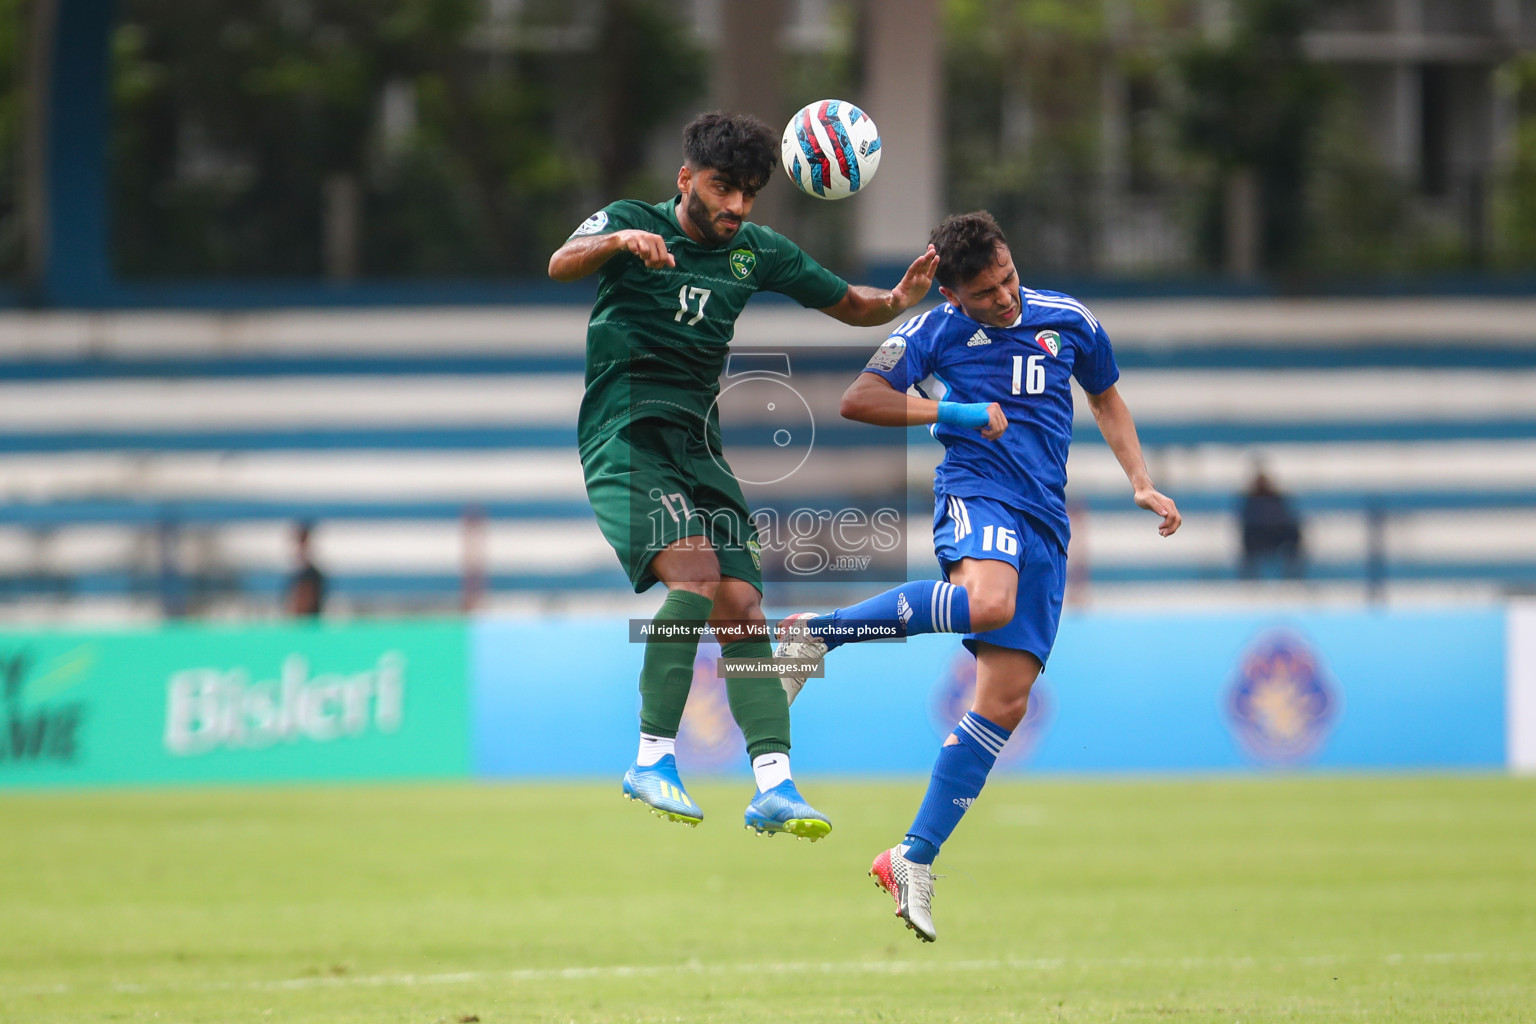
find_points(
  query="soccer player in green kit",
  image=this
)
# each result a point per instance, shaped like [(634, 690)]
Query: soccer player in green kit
[(672, 279)]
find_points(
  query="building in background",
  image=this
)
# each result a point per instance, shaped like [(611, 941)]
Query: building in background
[(210, 216), (1191, 144), (1315, 145)]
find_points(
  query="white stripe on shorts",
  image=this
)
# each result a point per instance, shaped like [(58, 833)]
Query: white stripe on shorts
[(962, 517)]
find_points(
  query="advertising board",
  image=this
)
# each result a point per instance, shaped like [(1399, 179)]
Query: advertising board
[(1412, 689), (195, 703)]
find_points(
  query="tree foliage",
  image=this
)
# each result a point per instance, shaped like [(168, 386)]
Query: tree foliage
[(1253, 101), (1514, 197), (472, 154), (13, 27)]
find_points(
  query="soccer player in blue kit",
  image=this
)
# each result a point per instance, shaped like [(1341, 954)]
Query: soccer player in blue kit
[(993, 368)]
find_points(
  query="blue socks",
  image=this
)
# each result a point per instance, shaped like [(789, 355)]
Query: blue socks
[(921, 606), (958, 775), (927, 606)]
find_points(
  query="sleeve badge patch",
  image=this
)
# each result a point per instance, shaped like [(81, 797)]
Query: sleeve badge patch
[(888, 355), (593, 225)]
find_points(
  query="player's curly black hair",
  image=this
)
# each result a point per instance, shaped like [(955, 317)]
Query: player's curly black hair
[(967, 244), (737, 146)]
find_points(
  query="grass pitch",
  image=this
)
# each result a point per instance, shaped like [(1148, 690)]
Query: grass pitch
[(1296, 899)]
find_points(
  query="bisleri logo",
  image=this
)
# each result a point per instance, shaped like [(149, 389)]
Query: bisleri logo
[(211, 708)]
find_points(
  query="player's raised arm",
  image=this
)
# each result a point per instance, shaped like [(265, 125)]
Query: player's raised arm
[(1119, 430), (871, 399), (584, 254), (863, 306)]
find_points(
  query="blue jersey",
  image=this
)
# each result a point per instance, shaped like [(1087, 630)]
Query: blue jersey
[(1025, 368)]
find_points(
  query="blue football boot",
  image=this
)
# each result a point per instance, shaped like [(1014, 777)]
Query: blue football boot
[(783, 809), (658, 786)]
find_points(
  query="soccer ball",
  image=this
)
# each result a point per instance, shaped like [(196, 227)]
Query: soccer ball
[(831, 149)]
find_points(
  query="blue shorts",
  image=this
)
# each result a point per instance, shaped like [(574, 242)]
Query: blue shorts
[(985, 528)]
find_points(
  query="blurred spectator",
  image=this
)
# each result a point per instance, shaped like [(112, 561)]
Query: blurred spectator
[(1271, 530), (306, 588)]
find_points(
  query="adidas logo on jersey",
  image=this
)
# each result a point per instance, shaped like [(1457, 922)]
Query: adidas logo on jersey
[(964, 802), (979, 338), (903, 611)]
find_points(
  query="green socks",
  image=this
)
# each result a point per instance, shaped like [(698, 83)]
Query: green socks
[(758, 704), (668, 671)]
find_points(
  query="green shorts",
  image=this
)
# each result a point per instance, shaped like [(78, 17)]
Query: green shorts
[(654, 483)]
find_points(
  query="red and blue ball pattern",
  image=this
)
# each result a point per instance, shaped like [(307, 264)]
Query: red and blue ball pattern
[(831, 149)]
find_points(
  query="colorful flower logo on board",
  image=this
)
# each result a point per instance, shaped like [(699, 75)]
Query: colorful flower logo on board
[(1281, 704), (708, 739)]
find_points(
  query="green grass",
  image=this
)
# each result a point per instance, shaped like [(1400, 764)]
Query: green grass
[(1363, 899)]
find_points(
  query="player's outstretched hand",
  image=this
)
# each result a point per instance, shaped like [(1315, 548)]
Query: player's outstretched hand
[(1155, 501), (651, 248), (996, 423), (917, 280)]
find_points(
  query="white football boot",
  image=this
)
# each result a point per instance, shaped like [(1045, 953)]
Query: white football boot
[(800, 644), (911, 886)]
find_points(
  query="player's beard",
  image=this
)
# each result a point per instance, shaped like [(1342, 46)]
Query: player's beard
[(708, 224)]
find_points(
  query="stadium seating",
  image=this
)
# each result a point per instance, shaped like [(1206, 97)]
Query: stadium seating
[(150, 455)]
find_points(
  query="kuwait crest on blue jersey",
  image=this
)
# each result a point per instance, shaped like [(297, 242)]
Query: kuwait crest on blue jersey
[(1281, 704), (1050, 341)]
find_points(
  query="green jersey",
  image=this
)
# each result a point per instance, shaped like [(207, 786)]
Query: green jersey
[(657, 340)]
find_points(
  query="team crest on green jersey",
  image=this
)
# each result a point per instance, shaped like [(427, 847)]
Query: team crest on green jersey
[(1050, 341), (742, 262)]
